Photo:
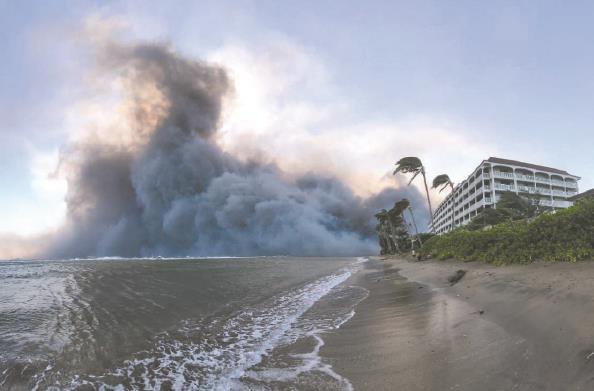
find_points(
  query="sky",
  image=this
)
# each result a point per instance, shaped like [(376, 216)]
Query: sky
[(344, 87)]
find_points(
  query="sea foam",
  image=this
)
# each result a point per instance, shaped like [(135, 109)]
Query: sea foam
[(220, 353)]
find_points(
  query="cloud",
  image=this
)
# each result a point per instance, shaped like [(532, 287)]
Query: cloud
[(151, 176), (253, 152), (287, 108)]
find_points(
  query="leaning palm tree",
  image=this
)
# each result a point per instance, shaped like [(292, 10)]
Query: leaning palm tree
[(397, 227), (442, 181), (413, 165), (403, 205), (384, 231), (393, 221)]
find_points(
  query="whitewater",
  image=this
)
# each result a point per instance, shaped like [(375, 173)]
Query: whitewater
[(150, 323)]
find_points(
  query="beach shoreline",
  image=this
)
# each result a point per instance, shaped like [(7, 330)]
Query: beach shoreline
[(518, 327)]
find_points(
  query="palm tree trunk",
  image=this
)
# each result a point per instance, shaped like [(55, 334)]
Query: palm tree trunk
[(394, 239), (412, 216), (388, 237), (392, 245), (384, 245), (428, 199)]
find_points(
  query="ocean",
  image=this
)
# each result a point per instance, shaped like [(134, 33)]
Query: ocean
[(181, 324)]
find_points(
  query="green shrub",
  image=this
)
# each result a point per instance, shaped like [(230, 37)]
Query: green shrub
[(567, 235)]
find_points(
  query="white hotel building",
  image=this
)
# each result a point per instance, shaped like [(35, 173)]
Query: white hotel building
[(547, 186)]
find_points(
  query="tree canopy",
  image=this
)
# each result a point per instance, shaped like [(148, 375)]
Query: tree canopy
[(510, 207)]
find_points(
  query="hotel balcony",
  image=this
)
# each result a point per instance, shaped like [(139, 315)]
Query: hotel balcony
[(526, 189), (501, 186), (524, 177), (501, 174), (536, 190), (540, 190)]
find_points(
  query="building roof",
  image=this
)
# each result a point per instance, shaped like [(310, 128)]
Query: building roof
[(587, 193), (527, 165)]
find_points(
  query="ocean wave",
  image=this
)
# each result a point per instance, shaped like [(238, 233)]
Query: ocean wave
[(221, 353), (330, 313), (146, 258)]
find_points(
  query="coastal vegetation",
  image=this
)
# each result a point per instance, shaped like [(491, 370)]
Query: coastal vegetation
[(520, 235), (392, 230), (510, 207)]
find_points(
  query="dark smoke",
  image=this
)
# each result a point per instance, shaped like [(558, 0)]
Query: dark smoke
[(172, 191)]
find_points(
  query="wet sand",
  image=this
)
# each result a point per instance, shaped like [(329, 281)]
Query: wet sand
[(521, 327)]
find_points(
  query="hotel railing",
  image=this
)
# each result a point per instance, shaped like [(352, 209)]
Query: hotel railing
[(527, 189), (531, 178), (526, 177), (500, 186), (502, 174), (533, 190)]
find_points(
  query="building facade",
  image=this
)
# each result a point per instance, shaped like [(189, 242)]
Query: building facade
[(547, 187)]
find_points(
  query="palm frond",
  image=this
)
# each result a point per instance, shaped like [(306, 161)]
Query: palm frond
[(409, 164), (381, 215), (401, 205), (442, 182), (413, 177)]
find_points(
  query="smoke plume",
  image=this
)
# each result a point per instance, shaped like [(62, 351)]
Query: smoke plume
[(161, 185)]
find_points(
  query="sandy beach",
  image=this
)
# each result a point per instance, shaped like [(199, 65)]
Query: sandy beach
[(520, 327)]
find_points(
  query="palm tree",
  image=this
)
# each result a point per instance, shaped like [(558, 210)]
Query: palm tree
[(442, 181), (384, 231), (413, 165), (397, 227), (383, 240), (402, 205)]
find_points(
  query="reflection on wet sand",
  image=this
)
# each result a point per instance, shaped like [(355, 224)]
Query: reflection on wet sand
[(408, 336)]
